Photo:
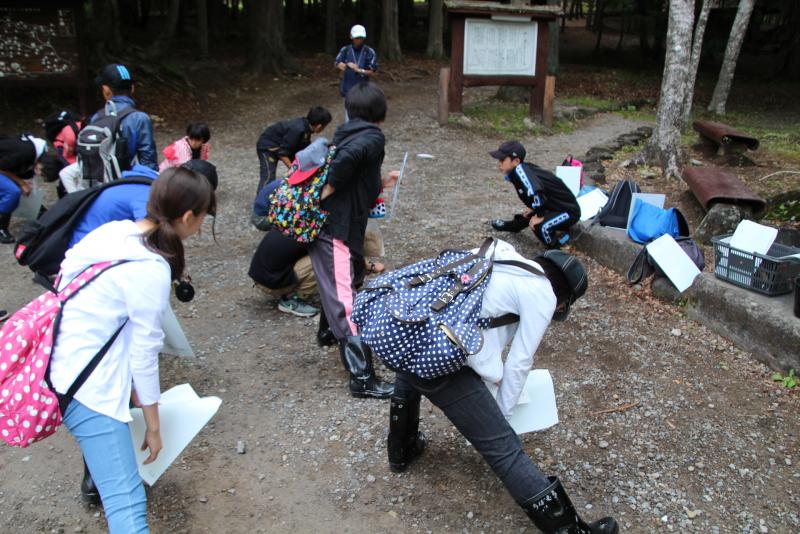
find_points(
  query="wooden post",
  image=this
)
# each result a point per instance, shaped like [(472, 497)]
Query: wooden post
[(549, 96), (457, 64), (537, 95), (444, 87)]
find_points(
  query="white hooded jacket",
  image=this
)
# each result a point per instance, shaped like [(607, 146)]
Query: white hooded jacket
[(137, 291)]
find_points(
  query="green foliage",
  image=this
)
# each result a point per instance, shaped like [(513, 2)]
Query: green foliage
[(785, 211), (508, 119), (599, 104), (789, 381)]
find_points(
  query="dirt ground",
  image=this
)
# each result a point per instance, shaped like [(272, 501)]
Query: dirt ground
[(664, 424)]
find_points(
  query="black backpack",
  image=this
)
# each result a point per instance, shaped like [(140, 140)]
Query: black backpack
[(615, 212), (56, 121), (102, 151), (43, 242)]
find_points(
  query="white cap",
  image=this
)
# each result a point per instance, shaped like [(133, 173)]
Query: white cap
[(358, 31)]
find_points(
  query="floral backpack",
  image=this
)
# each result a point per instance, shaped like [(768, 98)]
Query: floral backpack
[(294, 208), (30, 409)]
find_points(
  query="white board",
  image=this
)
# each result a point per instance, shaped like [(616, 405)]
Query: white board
[(500, 48), (175, 341), (591, 203), (29, 205), (182, 415), (536, 407), (676, 264), (571, 176), (752, 237)]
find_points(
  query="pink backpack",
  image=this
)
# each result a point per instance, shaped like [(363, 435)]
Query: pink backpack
[(30, 410)]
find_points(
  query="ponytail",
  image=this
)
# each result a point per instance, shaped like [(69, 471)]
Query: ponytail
[(175, 191)]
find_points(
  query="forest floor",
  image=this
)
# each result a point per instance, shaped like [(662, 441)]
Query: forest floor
[(663, 424)]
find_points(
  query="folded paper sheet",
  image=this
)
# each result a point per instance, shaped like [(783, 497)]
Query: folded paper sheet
[(536, 408), (182, 415), (676, 264)]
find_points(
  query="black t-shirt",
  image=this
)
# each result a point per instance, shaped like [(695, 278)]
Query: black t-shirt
[(286, 138), (542, 191), (355, 174), (273, 263)]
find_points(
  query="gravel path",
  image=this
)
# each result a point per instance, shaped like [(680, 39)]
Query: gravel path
[(701, 440)]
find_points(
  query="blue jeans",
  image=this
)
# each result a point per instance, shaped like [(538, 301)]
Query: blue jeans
[(467, 403), (9, 194), (108, 451)]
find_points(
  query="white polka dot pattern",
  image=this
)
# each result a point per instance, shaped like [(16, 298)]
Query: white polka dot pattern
[(400, 321), (26, 341)]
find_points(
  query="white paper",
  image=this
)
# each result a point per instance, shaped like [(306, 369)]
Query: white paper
[(175, 341), (397, 186), (182, 415), (591, 203), (425, 156), (571, 176), (29, 205), (676, 264), (494, 388), (654, 199), (540, 411), (753, 237)]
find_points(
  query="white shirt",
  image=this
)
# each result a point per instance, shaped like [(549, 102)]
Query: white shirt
[(137, 290), (513, 290)]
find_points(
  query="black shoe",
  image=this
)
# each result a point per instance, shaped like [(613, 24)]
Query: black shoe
[(5, 236), (357, 360), (517, 224), (553, 513), (405, 442), (325, 337), (89, 492)]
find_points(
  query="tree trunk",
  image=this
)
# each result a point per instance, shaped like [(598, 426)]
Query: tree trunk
[(664, 146), (267, 52), (390, 32), (590, 14), (697, 49), (552, 43), (202, 27), (330, 26), (435, 48), (164, 39), (105, 16), (738, 31)]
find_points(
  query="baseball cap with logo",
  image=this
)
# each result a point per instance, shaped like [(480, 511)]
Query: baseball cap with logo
[(115, 76), (309, 160), (358, 31), (574, 274), (509, 148)]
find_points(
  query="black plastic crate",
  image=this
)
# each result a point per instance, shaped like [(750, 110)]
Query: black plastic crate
[(770, 274)]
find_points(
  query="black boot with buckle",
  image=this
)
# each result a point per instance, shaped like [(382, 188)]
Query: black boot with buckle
[(5, 236), (357, 360), (553, 513), (325, 337), (405, 441), (89, 492)]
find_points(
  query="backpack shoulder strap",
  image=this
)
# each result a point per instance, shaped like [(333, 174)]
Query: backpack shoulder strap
[(522, 265), (636, 272)]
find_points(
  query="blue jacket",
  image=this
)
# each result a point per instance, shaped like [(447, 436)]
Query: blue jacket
[(138, 129), (118, 203)]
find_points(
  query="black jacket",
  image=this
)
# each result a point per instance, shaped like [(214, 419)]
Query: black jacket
[(17, 156), (542, 191), (355, 174), (273, 263), (286, 138)]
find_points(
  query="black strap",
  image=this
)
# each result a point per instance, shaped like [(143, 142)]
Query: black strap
[(522, 265), (639, 268), (445, 269), (458, 286), (66, 398)]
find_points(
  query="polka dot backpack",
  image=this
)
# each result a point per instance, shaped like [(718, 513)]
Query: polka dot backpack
[(30, 410), (424, 318)]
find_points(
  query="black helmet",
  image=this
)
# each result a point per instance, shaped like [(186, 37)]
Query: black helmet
[(574, 273)]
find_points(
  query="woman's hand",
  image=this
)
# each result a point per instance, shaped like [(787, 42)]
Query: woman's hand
[(25, 187), (390, 179), (152, 441)]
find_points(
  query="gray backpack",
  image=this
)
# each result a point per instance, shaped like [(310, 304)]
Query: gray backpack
[(102, 151)]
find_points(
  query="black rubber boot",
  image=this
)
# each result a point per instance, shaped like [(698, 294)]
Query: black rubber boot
[(325, 337), (405, 441), (552, 513), (5, 236), (517, 224), (89, 492), (357, 360)]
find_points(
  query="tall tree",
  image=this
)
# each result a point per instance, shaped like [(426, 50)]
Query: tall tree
[(202, 27), (105, 17), (435, 48), (330, 26), (664, 146), (158, 47), (697, 49), (390, 31), (267, 51), (738, 31)]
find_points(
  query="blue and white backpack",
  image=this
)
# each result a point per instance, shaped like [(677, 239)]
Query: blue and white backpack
[(424, 318)]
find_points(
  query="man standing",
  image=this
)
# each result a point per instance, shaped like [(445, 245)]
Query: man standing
[(357, 60)]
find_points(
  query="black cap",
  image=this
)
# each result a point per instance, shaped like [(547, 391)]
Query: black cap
[(509, 148), (574, 273), (201, 166), (115, 76)]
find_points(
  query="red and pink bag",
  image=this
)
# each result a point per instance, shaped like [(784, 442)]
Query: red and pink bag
[(30, 410)]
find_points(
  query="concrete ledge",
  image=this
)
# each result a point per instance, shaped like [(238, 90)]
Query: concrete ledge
[(764, 326)]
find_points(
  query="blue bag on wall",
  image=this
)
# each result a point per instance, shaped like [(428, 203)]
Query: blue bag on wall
[(650, 222)]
